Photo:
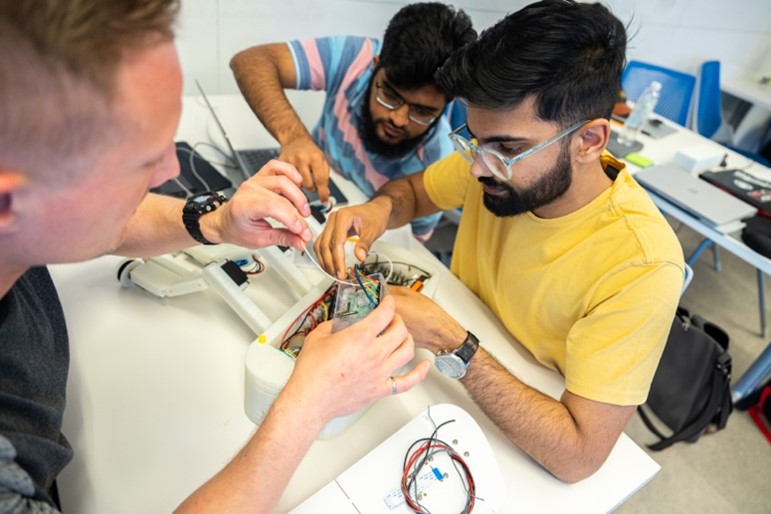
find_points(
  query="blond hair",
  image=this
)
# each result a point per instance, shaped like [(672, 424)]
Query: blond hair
[(58, 75)]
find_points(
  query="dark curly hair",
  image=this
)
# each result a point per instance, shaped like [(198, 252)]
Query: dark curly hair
[(568, 55), (418, 40)]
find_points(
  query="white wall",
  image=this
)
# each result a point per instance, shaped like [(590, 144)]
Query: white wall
[(676, 33), (681, 34)]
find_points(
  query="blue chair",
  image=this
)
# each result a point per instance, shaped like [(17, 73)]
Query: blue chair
[(708, 120), (676, 88)]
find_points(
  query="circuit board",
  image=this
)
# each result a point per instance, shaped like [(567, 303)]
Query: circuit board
[(355, 301)]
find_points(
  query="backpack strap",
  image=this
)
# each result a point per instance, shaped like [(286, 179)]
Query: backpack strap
[(724, 366), (647, 421)]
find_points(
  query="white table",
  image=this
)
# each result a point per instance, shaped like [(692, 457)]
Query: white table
[(156, 391), (663, 150)]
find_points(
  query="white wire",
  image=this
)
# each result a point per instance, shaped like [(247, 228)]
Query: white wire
[(182, 186), (390, 263), (324, 271)]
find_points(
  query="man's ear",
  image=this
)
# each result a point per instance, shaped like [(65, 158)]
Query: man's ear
[(376, 60), (594, 138), (11, 182)]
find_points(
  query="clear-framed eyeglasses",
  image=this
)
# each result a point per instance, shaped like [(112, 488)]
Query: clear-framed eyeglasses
[(391, 100), (499, 165)]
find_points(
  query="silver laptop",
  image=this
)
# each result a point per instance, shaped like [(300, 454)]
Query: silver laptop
[(250, 161), (699, 198)]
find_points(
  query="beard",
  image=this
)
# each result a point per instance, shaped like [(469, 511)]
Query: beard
[(373, 143), (547, 189)]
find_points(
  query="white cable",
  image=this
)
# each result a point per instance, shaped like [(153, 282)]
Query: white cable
[(390, 263), (324, 271)]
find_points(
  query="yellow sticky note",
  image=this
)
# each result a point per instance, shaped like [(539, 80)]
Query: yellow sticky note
[(639, 160)]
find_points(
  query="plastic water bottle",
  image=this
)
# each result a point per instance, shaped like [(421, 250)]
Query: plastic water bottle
[(641, 112)]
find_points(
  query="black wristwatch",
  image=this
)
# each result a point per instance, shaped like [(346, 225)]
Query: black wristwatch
[(195, 207), (455, 363)]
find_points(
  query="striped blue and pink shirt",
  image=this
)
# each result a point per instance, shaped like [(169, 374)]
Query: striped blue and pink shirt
[(343, 67)]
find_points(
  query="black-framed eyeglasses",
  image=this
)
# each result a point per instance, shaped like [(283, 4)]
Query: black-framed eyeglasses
[(499, 165), (391, 100)]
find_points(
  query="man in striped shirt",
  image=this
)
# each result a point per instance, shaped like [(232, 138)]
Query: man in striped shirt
[(382, 116)]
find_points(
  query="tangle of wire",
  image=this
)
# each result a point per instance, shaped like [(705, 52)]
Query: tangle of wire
[(309, 319), (371, 288), (399, 273), (320, 310), (351, 271), (428, 447), (256, 268)]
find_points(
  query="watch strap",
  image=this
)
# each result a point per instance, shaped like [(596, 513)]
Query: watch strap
[(468, 348), (195, 207)]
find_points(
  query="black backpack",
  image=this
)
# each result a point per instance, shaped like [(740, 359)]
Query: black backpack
[(691, 389)]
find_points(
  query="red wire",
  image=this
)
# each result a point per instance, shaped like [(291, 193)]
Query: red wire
[(304, 313), (453, 455)]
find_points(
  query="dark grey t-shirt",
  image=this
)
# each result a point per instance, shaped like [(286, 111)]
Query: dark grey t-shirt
[(34, 361)]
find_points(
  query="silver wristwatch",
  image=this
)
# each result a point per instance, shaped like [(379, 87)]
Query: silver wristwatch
[(455, 363)]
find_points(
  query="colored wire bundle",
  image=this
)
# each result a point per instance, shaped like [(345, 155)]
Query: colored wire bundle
[(310, 318), (416, 459), (369, 285), (257, 266)]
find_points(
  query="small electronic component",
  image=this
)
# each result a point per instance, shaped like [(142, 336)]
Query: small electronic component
[(355, 301)]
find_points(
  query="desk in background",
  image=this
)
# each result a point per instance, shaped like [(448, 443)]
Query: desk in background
[(156, 388), (663, 150)]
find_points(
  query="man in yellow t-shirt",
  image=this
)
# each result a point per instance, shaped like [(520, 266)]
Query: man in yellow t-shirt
[(555, 236)]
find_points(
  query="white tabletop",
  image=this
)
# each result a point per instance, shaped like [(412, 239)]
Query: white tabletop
[(156, 391)]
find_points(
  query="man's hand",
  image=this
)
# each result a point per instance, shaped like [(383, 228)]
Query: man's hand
[(310, 161), (368, 221), (272, 193), (430, 325), (341, 373)]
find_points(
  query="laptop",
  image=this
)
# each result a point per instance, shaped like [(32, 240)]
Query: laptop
[(702, 200), (196, 175), (249, 161), (749, 188)]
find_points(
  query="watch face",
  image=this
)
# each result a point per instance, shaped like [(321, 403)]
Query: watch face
[(450, 365)]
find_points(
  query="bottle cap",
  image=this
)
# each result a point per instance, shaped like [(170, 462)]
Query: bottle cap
[(656, 85)]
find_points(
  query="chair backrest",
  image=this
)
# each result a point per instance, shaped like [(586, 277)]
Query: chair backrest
[(676, 88), (687, 279), (708, 119), (709, 116)]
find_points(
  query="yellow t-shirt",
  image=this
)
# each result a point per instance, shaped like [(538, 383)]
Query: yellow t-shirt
[(591, 294)]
